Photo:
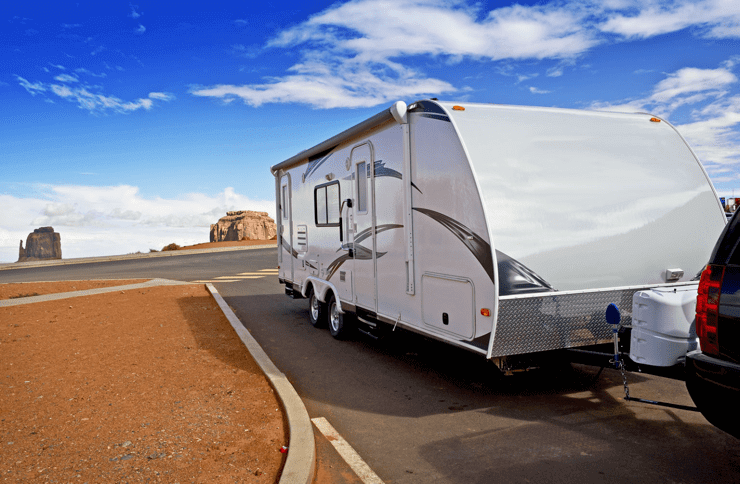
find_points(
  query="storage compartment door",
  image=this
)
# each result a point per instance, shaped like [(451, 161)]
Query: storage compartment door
[(448, 304)]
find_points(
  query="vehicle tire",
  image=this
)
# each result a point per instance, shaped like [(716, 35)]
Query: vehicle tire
[(714, 403), (340, 325), (316, 311)]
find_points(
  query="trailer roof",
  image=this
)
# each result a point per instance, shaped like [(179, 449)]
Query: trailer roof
[(334, 141)]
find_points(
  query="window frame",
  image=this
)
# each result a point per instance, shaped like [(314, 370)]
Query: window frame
[(339, 204)]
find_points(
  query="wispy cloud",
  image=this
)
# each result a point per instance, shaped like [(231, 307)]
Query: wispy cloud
[(115, 219), (33, 88), (133, 13), (82, 70), (162, 96), (71, 26), (140, 30), (89, 97), (535, 90), (66, 78)]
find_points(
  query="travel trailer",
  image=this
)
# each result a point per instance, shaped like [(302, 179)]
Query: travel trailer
[(504, 230)]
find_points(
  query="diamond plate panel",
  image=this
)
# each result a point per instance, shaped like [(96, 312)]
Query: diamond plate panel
[(556, 321)]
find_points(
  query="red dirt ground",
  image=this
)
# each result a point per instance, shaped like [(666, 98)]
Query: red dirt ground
[(146, 385)]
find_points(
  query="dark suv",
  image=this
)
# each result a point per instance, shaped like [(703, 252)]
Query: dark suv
[(713, 372)]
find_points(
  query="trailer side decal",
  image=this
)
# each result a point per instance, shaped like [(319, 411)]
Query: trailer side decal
[(360, 252), (474, 242), (292, 251)]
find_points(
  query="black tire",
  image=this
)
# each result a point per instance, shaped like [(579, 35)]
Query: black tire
[(340, 325), (316, 311)]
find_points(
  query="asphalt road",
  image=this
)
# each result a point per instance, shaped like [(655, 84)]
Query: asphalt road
[(421, 411)]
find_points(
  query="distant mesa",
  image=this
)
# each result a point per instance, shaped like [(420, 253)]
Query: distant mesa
[(42, 244), (243, 225)]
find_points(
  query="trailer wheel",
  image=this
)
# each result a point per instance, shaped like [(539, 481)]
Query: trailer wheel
[(316, 311), (338, 326)]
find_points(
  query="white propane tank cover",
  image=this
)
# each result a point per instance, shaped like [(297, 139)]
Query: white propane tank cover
[(398, 111), (662, 325)]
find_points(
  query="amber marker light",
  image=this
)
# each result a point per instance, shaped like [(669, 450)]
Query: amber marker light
[(458, 108), (654, 120), (485, 312)]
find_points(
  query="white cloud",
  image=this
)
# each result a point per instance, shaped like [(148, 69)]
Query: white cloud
[(534, 90), (66, 78), (350, 50), (687, 86), (162, 96), (140, 30), (330, 86), (716, 18), (114, 220)]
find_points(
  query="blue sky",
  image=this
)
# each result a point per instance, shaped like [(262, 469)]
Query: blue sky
[(130, 125)]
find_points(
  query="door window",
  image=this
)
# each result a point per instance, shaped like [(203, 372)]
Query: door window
[(362, 187)]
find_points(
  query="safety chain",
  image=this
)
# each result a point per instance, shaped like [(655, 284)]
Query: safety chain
[(620, 364), (624, 380)]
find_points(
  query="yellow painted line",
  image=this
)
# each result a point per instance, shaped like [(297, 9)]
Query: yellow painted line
[(269, 270), (257, 274)]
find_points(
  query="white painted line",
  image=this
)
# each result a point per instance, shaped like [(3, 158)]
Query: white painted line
[(352, 458), (257, 274), (210, 282), (269, 270)]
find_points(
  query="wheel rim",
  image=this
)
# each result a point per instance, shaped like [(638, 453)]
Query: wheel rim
[(334, 317), (314, 307)]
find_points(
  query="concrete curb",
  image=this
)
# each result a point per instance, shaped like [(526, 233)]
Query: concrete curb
[(300, 464), (89, 260), (88, 292)]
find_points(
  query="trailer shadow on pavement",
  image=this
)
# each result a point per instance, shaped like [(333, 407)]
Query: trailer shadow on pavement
[(403, 373)]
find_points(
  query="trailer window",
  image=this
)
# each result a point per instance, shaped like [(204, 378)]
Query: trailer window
[(326, 205), (362, 187), (284, 202)]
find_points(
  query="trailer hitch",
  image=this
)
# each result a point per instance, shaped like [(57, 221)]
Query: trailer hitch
[(613, 318)]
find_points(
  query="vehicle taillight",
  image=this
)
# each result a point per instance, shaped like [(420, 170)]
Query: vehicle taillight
[(707, 308)]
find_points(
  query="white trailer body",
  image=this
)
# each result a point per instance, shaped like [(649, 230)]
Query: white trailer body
[(505, 230)]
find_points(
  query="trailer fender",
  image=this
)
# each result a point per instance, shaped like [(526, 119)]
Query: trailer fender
[(323, 289)]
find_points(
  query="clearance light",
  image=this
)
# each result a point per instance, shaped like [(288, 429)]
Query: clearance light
[(485, 312), (654, 120), (458, 108), (707, 308)]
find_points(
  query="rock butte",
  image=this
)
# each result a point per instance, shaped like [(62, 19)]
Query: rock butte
[(243, 224), (42, 244)]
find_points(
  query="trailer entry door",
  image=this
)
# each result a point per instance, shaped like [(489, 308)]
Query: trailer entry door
[(363, 169), (286, 230)]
